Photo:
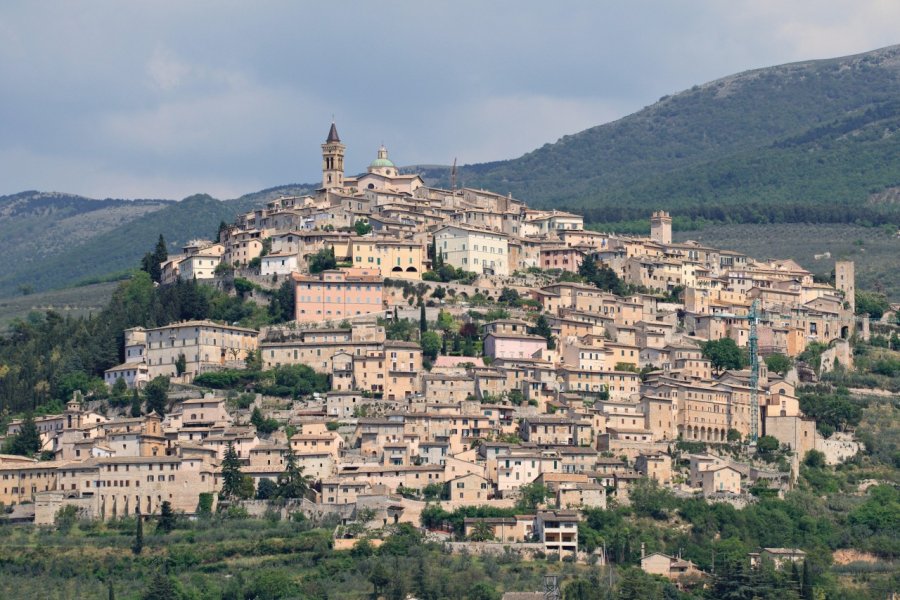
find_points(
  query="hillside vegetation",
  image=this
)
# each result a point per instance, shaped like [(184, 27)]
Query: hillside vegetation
[(780, 144), (58, 240)]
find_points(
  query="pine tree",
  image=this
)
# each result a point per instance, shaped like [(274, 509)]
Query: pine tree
[(542, 328), (292, 483), (156, 392), (231, 473), (161, 588), (28, 441), (223, 228), (588, 269), (160, 253), (166, 521)]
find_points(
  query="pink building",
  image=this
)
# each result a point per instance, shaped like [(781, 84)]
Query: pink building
[(561, 257), (513, 345), (338, 294)]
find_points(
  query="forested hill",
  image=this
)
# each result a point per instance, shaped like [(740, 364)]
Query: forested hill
[(787, 142), (56, 240)]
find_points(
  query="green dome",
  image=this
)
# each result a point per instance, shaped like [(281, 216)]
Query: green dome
[(381, 162)]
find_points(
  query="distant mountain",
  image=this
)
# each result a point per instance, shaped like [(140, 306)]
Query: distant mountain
[(790, 142), (57, 240)]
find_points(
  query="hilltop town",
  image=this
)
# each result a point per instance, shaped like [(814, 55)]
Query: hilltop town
[(454, 349)]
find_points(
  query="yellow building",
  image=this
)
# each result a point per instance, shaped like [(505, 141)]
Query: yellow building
[(21, 478), (397, 259)]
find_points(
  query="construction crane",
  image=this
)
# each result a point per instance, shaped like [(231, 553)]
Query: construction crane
[(754, 371)]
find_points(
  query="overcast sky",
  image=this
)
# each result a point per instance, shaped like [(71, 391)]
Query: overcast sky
[(163, 99)]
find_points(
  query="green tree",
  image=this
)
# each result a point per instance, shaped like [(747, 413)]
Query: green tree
[(445, 321), (778, 363), (152, 261), (27, 441), (423, 323), (588, 269), (634, 584), (431, 344), (231, 473), (649, 499), (872, 304), (65, 518), (136, 404), (379, 578), (509, 296), (724, 354), (119, 388), (814, 459), (361, 227), (161, 587), (483, 591), (767, 445), (266, 489), (531, 495), (282, 304), (323, 260), (180, 364), (582, 589), (166, 520), (292, 483), (481, 532), (138, 544), (157, 393), (542, 328), (223, 228)]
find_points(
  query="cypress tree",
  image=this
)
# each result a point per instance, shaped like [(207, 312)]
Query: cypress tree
[(135, 404), (138, 535)]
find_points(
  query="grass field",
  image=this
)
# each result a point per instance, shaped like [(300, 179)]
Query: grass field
[(70, 301), (875, 250)]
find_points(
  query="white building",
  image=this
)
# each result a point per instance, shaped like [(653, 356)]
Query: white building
[(476, 250), (278, 264)]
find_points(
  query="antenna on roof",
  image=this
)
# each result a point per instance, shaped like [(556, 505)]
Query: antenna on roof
[(453, 176)]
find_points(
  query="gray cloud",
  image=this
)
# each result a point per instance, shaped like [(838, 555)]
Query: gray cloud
[(167, 98)]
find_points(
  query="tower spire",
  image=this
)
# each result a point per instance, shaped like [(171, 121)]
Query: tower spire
[(333, 134), (333, 160)]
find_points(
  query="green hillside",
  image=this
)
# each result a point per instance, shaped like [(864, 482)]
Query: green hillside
[(786, 143), (92, 252), (38, 225)]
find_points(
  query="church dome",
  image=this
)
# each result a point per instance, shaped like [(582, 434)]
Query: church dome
[(382, 162)]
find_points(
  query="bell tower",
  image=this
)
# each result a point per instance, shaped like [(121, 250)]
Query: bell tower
[(333, 160)]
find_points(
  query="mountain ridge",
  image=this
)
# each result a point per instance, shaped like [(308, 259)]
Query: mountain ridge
[(727, 117)]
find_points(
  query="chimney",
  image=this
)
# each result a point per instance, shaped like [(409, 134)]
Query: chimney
[(643, 550)]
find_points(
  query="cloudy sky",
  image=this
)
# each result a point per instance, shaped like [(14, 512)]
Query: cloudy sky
[(168, 98)]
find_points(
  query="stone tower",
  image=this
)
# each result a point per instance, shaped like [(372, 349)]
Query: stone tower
[(333, 161), (661, 227), (845, 281)]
